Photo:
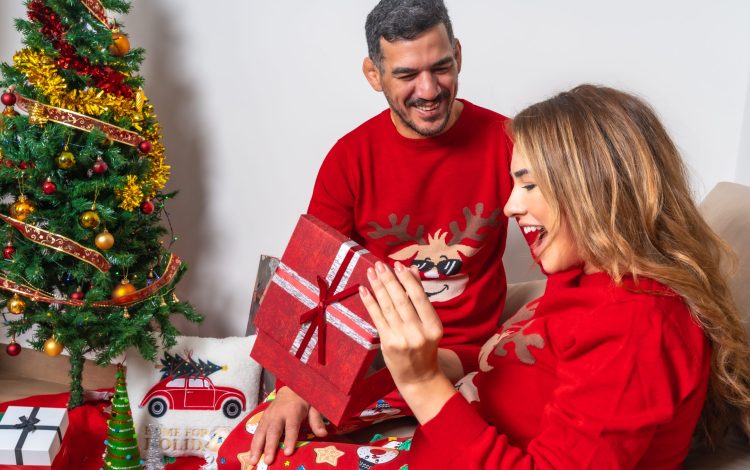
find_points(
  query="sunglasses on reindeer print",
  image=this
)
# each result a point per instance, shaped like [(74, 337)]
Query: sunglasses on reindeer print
[(446, 266)]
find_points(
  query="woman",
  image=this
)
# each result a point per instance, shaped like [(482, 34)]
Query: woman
[(636, 339)]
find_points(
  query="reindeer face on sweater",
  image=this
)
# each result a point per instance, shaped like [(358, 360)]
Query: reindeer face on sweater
[(440, 257)]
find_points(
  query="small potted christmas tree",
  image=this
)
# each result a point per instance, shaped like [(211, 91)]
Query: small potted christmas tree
[(122, 444)]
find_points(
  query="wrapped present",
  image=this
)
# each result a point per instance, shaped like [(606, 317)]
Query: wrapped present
[(314, 332), (31, 435)]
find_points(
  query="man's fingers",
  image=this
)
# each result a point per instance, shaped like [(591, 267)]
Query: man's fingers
[(291, 432), (272, 437), (316, 423), (259, 440)]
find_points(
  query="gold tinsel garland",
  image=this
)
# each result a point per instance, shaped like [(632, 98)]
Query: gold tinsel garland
[(42, 72), (130, 195)]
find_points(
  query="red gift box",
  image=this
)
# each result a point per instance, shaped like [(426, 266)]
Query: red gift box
[(314, 332)]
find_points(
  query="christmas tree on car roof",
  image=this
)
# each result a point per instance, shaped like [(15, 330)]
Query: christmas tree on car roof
[(82, 170)]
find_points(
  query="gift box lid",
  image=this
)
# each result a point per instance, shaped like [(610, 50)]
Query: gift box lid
[(31, 435), (319, 257)]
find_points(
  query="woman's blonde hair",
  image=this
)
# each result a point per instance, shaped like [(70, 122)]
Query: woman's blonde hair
[(607, 168)]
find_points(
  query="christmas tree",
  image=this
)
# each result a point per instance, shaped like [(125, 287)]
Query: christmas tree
[(175, 366), (121, 444), (82, 173)]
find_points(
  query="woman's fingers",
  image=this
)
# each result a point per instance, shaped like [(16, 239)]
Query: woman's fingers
[(421, 306), (379, 277), (402, 304), (371, 304), (399, 303)]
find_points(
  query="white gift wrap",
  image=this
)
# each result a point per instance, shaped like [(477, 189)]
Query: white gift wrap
[(21, 444)]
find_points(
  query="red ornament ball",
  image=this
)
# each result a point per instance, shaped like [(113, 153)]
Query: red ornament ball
[(145, 146), (147, 207), (8, 252), (77, 295), (48, 187), (8, 99), (13, 349), (100, 167), (22, 165)]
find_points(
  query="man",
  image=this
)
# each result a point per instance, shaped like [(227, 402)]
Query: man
[(424, 182)]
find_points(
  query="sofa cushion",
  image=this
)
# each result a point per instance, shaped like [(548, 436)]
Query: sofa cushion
[(727, 210), (198, 388)]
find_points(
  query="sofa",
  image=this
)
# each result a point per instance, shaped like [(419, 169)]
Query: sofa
[(727, 210)]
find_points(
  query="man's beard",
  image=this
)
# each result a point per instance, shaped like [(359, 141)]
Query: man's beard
[(444, 95)]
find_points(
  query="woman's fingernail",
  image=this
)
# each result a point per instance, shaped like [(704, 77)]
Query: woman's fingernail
[(398, 267), (363, 291), (380, 267), (371, 274)]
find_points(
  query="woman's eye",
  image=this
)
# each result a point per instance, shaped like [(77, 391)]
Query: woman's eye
[(529, 187)]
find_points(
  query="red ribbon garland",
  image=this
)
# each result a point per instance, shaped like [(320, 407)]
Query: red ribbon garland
[(79, 121), (59, 243), (104, 77), (97, 9), (38, 296)]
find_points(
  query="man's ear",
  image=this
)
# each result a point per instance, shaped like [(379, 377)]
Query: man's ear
[(372, 74), (457, 53)]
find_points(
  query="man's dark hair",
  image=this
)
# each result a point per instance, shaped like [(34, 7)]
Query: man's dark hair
[(403, 19)]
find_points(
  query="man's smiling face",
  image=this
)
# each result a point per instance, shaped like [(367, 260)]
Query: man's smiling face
[(419, 79)]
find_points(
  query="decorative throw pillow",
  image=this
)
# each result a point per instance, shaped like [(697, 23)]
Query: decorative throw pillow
[(196, 388)]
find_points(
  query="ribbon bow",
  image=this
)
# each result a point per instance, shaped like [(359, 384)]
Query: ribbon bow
[(27, 424), (317, 315)]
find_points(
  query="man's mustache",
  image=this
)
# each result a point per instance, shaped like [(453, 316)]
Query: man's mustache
[(444, 95)]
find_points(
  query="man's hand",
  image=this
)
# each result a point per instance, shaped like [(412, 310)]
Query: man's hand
[(283, 415)]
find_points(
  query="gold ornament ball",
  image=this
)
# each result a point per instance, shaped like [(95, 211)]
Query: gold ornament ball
[(124, 288), (104, 240), (53, 347), (65, 160), (120, 44), (21, 209), (16, 305), (9, 112), (89, 219)]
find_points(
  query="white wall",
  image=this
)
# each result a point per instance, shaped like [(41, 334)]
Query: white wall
[(252, 95)]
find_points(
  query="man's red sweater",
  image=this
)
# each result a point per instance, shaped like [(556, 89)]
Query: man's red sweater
[(435, 202)]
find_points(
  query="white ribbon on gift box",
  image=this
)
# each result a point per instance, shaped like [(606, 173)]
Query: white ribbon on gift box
[(336, 314)]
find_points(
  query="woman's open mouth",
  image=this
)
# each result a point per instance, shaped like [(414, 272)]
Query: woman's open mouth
[(534, 235)]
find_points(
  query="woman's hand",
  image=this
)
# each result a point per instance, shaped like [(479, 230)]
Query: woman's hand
[(410, 331)]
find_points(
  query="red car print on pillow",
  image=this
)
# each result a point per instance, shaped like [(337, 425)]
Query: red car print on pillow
[(193, 393)]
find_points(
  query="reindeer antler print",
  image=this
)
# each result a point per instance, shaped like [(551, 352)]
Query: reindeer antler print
[(397, 230), (516, 335), (474, 222)]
